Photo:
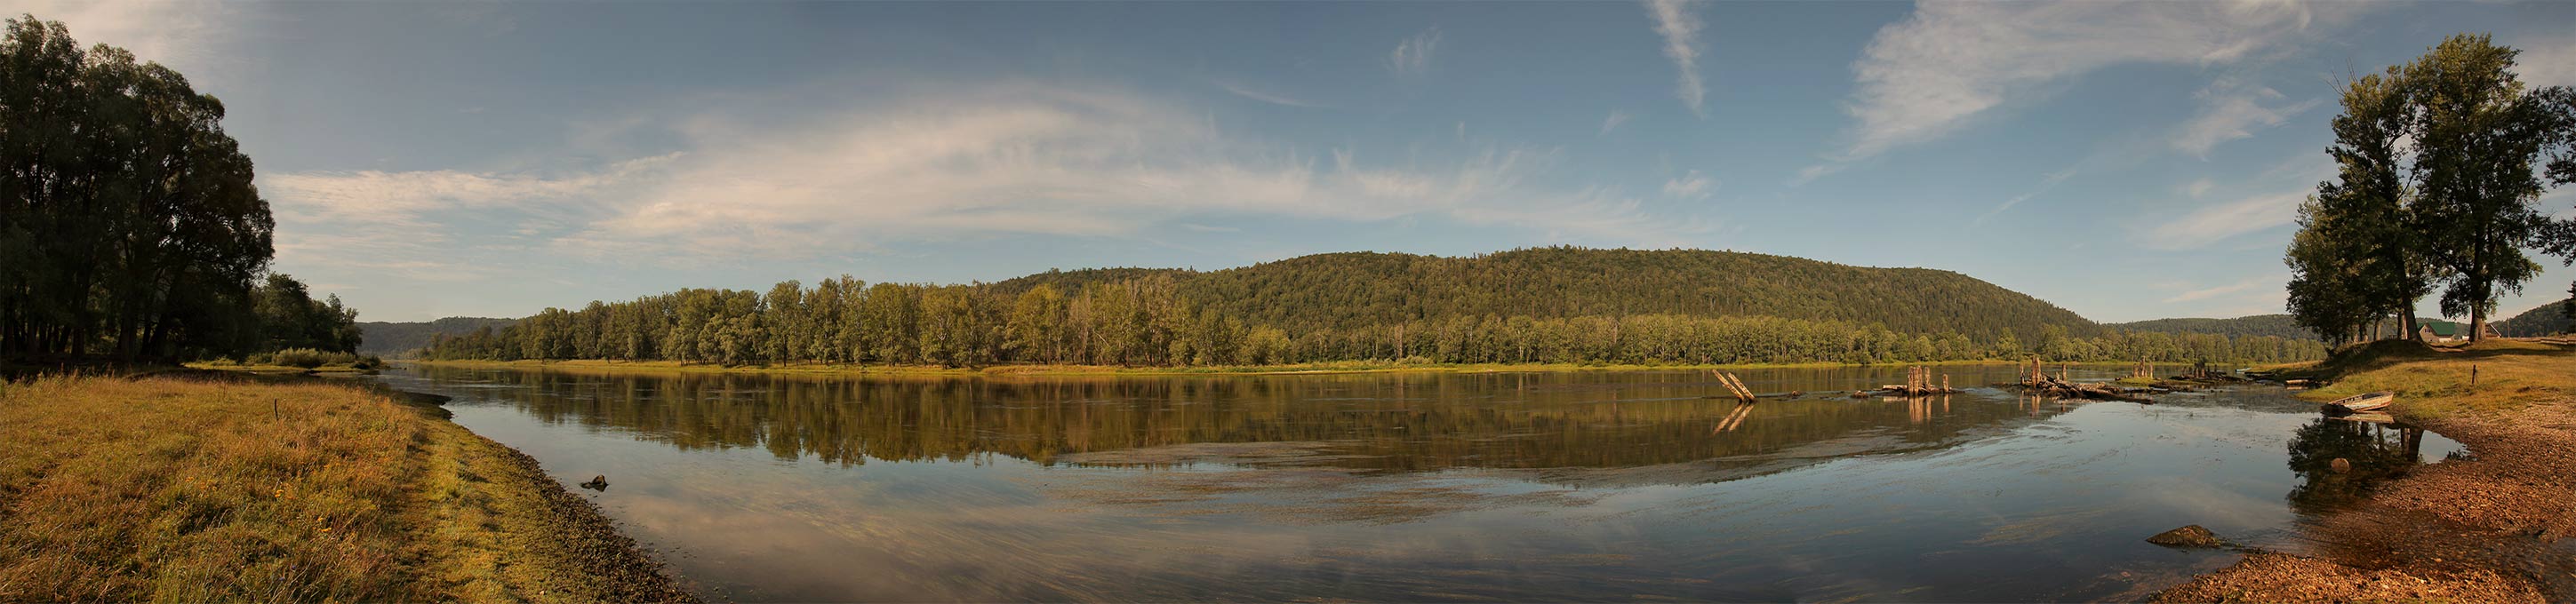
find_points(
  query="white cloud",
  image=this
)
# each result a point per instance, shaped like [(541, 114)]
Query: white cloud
[(2050, 182), (2547, 61), (996, 160), (1930, 74), (2198, 188), (1690, 186), (2214, 223), (187, 36), (2213, 292), (1242, 90), (1612, 122), (1680, 30), (1811, 173), (155, 31), (404, 198), (2232, 109), (1412, 57)]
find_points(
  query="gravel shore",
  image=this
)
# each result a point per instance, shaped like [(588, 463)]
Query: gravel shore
[(2486, 529)]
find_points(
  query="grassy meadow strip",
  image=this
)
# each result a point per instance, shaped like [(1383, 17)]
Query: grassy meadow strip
[(222, 488)]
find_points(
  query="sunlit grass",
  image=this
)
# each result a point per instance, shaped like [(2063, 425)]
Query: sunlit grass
[(204, 489), (2434, 382), (168, 489)]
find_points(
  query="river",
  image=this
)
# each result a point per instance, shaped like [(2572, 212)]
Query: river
[(1421, 486)]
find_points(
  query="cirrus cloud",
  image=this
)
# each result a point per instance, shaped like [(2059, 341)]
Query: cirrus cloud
[(1953, 62), (963, 164)]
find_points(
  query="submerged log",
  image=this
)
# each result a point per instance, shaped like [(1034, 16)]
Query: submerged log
[(2052, 386)]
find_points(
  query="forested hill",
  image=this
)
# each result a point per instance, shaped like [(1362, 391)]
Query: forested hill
[(2276, 325), (1550, 305), (389, 338), (1358, 290), (2548, 319)]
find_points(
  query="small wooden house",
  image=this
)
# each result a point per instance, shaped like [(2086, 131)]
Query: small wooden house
[(2445, 332)]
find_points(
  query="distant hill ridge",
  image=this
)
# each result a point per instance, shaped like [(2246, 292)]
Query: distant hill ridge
[(2276, 325), (390, 338), (2548, 319), (1355, 290), (1542, 305)]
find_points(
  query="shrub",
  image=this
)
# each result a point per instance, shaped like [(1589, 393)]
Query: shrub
[(307, 358)]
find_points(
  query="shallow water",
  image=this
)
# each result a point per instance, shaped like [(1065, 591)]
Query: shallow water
[(1421, 487)]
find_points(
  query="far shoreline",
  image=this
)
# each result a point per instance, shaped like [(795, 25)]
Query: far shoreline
[(1337, 368)]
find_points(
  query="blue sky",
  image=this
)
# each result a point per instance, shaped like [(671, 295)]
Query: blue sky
[(2123, 160)]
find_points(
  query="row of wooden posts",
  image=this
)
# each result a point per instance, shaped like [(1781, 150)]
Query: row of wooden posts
[(1918, 382)]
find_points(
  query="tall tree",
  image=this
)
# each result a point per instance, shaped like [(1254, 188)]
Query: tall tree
[(2478, 140), (2369, 218), (126, 212), (2323, 293)]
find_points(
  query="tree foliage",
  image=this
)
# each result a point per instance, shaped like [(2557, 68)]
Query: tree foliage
[(2275, 325), (2479, 143), (127, 215), (1552, 306), (2547, 319), (290, 318), (2441, 164)]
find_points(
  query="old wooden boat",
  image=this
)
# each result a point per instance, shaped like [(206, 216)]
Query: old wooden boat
[(2361, 402)]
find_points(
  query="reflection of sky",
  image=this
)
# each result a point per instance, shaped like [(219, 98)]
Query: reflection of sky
[(2045, 510)]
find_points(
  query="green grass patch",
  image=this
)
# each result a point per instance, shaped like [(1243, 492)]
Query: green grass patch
[(232, 488), (2435, 382)]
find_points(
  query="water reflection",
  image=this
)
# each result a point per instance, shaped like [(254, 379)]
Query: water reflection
[(2373, 452), (1372, 422), (1399, 487)]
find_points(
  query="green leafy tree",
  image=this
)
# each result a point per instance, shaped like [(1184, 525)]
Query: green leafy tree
[(127, 215), (2366, 212), (2478, 142)]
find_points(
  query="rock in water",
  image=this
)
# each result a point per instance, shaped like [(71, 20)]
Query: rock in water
[(2187, 536)]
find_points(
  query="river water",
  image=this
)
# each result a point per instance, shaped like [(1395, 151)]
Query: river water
[(1423, 486)]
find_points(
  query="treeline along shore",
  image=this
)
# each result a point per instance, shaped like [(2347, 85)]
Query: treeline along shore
[(1563, 306), (2441, 164), (133, 239)]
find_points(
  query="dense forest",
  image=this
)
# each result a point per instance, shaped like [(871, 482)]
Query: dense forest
[(2440, 166), (389, 338), (2548, 319), (1361, 290), (2275, 325), (128, 219), (1554, 305)]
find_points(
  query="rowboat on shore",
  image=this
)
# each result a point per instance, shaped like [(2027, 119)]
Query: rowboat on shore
[(2361, 402)]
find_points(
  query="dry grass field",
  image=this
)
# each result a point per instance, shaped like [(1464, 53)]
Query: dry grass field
[(228, 488)]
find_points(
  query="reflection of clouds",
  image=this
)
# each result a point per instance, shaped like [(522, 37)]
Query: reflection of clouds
[(2213, 505), (1306, 495), (1809, 500)]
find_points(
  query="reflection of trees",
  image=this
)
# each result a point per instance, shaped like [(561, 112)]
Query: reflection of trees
[(2377, 451), (1387, 422)]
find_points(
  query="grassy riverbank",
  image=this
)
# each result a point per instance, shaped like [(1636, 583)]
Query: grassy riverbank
[(1110, 370), (214, 487), (2476, 529)]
